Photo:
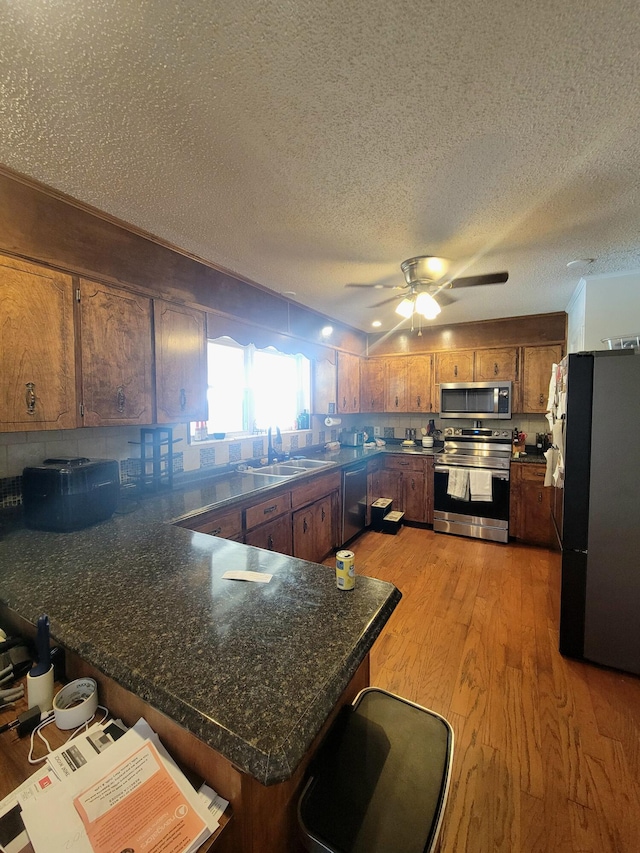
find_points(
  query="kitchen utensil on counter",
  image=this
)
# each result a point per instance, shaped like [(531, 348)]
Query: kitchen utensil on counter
[(427, 441)]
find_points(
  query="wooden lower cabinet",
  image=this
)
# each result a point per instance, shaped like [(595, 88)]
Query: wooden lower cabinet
[(530, 499), (407, 480), (301, 522), (276, 535), (314, 529), (226, 525)]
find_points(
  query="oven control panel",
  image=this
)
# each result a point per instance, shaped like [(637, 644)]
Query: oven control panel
[(479, 433)]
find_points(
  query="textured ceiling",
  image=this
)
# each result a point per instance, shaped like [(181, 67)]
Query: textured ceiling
[(305, 144)]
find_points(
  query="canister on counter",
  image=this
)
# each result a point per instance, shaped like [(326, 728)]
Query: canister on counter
[(345, 570)]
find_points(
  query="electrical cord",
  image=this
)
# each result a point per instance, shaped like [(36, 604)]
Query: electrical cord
[(50, 719)]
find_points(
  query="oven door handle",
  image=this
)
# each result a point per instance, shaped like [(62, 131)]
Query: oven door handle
[(495, 474)]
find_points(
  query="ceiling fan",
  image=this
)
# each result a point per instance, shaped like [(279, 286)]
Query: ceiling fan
[(426, 277)]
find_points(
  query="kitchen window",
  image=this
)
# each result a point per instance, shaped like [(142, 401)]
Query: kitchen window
[(251, 389)]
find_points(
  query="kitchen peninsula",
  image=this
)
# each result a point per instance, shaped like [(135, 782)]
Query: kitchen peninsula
[(238, 678)]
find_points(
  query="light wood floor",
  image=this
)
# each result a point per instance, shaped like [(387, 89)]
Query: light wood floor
[(547, 750)]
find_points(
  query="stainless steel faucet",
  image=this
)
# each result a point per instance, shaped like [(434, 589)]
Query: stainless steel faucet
[(274, 453)]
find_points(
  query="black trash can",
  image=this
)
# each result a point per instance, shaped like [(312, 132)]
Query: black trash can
[(380, 780)]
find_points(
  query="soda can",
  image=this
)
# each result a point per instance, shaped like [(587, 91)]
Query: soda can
[(345, 570)]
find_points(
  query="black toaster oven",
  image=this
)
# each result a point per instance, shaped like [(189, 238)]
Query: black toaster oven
[(69, 493)]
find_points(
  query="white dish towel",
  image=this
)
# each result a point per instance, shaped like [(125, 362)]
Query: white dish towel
[(458, 486), (480, 485)]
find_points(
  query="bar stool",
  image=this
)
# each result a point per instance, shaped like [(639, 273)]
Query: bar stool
[(380, 780)]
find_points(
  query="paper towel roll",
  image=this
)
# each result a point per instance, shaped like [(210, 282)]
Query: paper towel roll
[(332, 421)]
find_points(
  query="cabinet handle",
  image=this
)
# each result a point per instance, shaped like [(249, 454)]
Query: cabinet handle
[(396, 401), (539, 497), (355, 403), (418, 401), (120, 398), (30, 398), (455, 369), (305, 526), (517, 364), (541, 399), (413, 484), (270, 509), (183, 399), (270, 542), (372, 404), (495, 368), (216, 532), (323, 514), (344, 403)]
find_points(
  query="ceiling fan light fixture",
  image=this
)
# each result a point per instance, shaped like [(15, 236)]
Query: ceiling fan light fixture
[(425, 268), (405, 308), (427, 306)]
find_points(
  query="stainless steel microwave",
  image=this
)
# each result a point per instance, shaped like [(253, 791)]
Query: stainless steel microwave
[(475, 400)]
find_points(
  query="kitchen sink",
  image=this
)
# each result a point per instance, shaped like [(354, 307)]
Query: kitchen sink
[(311, 464), (278, 470)]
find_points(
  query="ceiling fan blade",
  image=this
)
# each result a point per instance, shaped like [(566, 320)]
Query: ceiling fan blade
[(443, 299), (373, 286), (385, 302), (474, 280)]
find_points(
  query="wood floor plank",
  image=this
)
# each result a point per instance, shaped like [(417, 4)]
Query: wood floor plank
[(547, 750)]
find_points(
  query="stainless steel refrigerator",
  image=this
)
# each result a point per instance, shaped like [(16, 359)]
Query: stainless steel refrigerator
[(597, 512)]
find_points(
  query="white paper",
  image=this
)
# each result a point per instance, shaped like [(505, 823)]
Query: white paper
[(242, 575), (54, 825)]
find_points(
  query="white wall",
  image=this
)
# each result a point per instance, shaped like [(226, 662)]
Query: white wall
[(603, 306)]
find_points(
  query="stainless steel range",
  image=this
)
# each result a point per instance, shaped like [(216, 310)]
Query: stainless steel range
[(471, 483)]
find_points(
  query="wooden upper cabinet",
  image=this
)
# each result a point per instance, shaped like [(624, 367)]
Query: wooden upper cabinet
[(537, 363), (372, 384), (348, 383), (452, 366), (396, 385), (181, 363), (419, 383), (496, 364), (116, 356), (324, 387), (37, 348)]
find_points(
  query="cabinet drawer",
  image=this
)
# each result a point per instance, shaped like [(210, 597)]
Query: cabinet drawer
[(404, 463), (226, 526), (266, 510), (531, 472), (314, 489)]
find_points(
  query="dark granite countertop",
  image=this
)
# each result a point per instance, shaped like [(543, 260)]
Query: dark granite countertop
[(251, 669)]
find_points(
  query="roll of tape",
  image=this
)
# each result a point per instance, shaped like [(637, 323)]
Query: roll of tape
[(76, 703)]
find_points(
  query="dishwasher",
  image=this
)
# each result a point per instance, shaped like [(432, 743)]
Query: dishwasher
[(354, 501)]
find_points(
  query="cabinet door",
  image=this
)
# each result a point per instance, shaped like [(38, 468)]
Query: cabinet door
[(348, 383), (537, 363), (419, 383), (496, 364), (454, 366), (396, 385), (414, 496), (534, 525), (274, 536), (181, 363), (303, 534), (37, 348), (325, 539), (116, 356), (372, 379), (391, 487), (324, 387)]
